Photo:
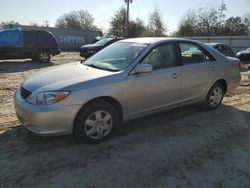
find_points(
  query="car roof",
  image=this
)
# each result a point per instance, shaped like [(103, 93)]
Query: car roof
[(35, 30), (215, 43), (107, 38), (151, 40), (16, 29)]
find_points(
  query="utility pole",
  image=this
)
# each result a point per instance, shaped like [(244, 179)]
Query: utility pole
[(46, 23), (127, 20)]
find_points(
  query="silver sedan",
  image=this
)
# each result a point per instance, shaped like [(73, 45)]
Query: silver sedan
[(128, 79)]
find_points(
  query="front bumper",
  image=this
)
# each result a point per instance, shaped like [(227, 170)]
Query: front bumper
[(86, 53), (54, 119)]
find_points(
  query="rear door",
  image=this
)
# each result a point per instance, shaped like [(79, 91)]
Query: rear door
[(30, 43), (158, 89), (198, 70)]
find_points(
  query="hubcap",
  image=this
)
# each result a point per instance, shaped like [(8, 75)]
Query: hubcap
[(44, 56), (215, 96), (98, 124)]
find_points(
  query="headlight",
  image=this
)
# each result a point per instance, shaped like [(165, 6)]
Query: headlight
[(46, 98)]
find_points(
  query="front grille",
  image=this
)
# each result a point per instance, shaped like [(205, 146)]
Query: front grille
[(25, 93)]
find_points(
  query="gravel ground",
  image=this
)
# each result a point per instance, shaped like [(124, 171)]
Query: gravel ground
[(185, 147)]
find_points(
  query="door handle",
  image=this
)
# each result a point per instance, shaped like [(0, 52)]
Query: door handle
[(212, 68), (175, 75)]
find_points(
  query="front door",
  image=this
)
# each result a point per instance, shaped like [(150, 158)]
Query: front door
[(158, 89)]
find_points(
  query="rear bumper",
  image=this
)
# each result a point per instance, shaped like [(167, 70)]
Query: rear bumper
[(52, 119), (233, 83)]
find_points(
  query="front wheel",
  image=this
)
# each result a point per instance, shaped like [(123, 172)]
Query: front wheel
[(214, 96), (43, 56), (96, 122)]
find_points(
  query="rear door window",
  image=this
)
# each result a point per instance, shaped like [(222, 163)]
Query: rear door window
[(192, 53)]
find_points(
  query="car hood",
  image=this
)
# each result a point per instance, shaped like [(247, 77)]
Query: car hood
[(63, 76)]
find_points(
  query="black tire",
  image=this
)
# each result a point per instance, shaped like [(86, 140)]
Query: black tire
[(217, 91), (82, 130), (43, 56)]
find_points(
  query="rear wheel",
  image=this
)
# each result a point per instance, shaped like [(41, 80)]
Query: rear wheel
[(214, 96), (96, 122), (43, 56)]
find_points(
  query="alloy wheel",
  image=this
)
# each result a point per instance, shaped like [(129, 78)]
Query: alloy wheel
[(98, 124), (216, 96), (44, 57)]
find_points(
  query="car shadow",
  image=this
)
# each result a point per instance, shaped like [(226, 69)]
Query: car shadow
[(169, 138), (160, 117), (155, 124), (12, 66)]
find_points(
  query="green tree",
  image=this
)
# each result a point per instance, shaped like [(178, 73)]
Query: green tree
[(118, 23), (9, 25), (137, 28), (204, 21), (246, 20), (156, 25), (81, 19), (235, 26)]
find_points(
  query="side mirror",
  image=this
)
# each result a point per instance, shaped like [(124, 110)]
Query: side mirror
[(143, 68)]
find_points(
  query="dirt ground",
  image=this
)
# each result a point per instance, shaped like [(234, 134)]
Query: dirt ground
[(185, 147)]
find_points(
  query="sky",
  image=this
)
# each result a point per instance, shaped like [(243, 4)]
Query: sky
[(32, 11)]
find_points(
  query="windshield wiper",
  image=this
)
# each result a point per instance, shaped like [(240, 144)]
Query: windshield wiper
[(92, 65), (102, 68)]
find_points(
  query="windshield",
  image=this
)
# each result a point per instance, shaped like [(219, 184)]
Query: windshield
[(103, 41), (116, 57)]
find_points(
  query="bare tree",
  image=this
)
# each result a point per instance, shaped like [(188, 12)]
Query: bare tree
[(187, 24), (34, 24), (156, 25)]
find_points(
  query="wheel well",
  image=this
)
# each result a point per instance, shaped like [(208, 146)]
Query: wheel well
[(223, 83), (110, 100), (42, 50)]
